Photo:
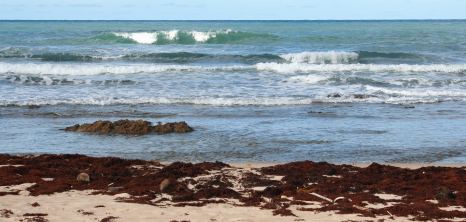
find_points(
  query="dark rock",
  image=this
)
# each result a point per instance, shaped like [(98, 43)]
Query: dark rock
[(444, 193), (362, 96), (33, 107), (133, 127), (334, 95)]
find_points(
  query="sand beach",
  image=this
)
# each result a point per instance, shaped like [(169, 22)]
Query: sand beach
[(46, 188)]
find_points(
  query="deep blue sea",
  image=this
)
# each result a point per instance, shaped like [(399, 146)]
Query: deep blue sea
[(254, 91)]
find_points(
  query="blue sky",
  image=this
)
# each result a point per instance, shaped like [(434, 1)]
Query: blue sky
[(231, 10)]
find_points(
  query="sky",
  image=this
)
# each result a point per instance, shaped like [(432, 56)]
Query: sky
[(231, 9)]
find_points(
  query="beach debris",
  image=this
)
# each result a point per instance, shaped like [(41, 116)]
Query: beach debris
[(6, 213), (391, 215), (327, 199), (362, 208), (84, 177), (322, 197), (165, 183), (267, 200), (132, 127), (35, 215), (84, 212), (444, 193), (114, 189), (109, 219), (284, 197)]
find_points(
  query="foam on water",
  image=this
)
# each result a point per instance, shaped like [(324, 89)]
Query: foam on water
[(153, 37), (402, 68), (140, 37), (378, 95), (417, 92), (310, 79), (105, 101), (321, 57), (99, 69)]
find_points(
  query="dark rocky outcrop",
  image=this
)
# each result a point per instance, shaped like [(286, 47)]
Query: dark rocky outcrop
[(133, 127)]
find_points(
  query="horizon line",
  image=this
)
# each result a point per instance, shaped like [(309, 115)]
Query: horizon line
[(232, 20)]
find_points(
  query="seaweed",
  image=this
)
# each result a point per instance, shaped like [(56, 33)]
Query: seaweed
[(353, 187)]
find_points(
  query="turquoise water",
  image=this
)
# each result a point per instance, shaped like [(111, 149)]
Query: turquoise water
[(255, 91)]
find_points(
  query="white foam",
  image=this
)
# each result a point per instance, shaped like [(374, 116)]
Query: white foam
[(204, 36), (47, 80), (87, 69), (164, 100), (418, 92), (403, 68), (152, 37), (140, 37), (98, 69), (320, 57), (243, 101), (311, 79), (171, 35)]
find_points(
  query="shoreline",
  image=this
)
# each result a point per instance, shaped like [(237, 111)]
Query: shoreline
[(414, 165), (46, 188)]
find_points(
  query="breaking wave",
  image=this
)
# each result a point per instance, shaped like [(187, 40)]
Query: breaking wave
[(90, 69), (381, 96), (321, 57), (402, 68), (181, 37), (330, 57), (99, 69)]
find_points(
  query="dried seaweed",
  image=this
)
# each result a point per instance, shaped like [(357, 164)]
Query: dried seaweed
[(357, 186)]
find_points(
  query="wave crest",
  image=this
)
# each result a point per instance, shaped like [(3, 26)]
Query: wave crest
[(321, 57), (402, 68), (182, 37)]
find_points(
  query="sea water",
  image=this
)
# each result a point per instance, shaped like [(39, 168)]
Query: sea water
[(254, 91)]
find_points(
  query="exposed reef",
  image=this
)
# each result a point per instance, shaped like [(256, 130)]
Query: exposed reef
[(132, 127)]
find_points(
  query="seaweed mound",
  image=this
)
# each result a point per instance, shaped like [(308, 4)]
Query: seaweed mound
[(421, 194), (133, 127)]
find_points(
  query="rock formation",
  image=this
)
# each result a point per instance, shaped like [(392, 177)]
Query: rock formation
[(133, 127)]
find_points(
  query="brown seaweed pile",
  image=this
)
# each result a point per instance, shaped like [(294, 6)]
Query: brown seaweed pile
[(133, 127), (349, 189)]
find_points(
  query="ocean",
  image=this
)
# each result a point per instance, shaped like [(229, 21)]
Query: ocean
[(254, 91)]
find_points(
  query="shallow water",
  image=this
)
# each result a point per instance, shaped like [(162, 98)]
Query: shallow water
[(346, 91), (319, 132)]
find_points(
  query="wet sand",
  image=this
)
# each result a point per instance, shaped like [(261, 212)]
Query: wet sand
[(45, 188)]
